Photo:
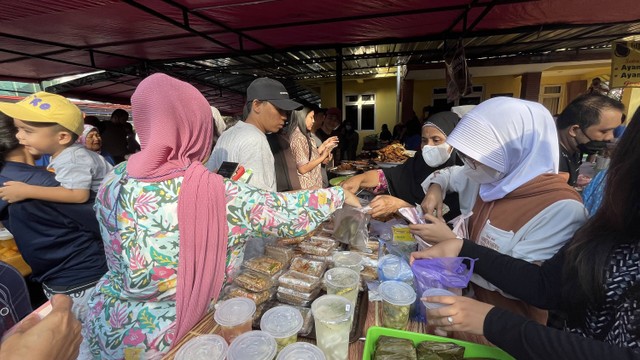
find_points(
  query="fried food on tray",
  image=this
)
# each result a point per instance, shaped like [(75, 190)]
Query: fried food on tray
[(392, 153)]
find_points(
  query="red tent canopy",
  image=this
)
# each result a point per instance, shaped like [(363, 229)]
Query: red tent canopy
[(45, 39)]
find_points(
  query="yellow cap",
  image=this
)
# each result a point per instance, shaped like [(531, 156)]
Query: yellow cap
[(45, 107)]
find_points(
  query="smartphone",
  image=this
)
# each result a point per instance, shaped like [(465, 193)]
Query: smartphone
[(231, 170)]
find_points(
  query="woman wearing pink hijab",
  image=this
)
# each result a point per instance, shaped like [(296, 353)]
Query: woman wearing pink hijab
[(173, 232)]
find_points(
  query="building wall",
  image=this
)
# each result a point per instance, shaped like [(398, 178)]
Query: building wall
[(507, 84), (385, 91)]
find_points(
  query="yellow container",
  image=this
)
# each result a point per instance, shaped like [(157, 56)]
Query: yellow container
[(10, 254)]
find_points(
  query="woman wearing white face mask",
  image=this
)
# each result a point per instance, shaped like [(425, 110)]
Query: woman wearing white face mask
[(510, 187), (403, 182)]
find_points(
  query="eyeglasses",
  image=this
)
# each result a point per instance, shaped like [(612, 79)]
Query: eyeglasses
[(467, 160)]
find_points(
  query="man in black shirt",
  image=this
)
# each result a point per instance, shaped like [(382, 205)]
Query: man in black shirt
[(585, 127)]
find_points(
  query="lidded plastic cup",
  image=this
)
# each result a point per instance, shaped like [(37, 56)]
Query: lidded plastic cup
[(301, 351), (283, 323), (344, 282), (435, 292), (332, 316), (203, 347), (347, 259), (235, 316), (397, 298), (253, 345)]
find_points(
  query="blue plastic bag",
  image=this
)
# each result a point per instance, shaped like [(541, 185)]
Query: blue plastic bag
[(443, 273)]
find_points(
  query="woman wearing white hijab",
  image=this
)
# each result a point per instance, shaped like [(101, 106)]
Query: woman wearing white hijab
[(510, 192)]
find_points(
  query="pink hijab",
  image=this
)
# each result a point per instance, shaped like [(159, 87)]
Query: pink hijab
[(175, 126)]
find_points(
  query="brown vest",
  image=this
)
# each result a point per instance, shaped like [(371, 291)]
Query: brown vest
[(510, 214)]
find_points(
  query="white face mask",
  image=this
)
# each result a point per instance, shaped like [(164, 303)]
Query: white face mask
[(435, 156), (482, 174)]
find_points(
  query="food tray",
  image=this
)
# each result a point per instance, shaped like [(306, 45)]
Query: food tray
[(471, 349), (254, 281), (280, 253), (299, 281), (264, 265)]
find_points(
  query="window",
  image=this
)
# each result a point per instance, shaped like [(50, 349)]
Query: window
[(362, 110), (550, 97), (439, 98)]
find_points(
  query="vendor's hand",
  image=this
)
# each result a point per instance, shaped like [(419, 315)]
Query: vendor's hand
[(383, 205), (447, 248), (433, 201), (57, 336), (327, 159), (466, 314), (351, 199), (352, 184), (14, 191), (435, 231)]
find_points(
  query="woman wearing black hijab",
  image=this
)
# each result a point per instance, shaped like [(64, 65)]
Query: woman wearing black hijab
[(403, 182)]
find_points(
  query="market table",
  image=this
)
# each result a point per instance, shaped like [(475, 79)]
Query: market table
[(208, 326)]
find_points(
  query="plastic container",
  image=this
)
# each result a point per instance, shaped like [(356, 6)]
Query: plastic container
[(307, 324), (291, 241), (332, 315), (203, 347), (264, 265), (309, 267), (254, 281), (343, 282), (318, 246), (299, 281), (471, 350), (283, 323), (397, 298), (348, 260), (296, 298), (301, 351), (280, 253), (254, 345), (234, 317), (257, 297), (435, 292)]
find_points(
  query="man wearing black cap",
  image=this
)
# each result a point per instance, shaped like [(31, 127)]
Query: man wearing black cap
[(246, 142)]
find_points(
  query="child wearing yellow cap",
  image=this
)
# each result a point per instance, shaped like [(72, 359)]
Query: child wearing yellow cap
[(51, 124)]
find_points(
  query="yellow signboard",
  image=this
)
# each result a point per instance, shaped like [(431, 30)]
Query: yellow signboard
[(625, 64)]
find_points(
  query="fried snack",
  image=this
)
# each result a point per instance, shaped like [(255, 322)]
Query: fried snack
[(394, 153), (309, 267), (264, 265)]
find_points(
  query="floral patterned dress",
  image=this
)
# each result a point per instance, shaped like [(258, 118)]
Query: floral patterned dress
[(133, 310), (300, 149)]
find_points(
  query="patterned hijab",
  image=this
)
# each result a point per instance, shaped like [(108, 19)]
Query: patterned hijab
[(175, 126), (82, 139)]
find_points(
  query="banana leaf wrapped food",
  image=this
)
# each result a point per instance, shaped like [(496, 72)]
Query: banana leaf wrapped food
[(390, 348), (431, 350)]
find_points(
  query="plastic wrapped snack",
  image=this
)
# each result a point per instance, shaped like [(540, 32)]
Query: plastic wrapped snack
[(390, 348), (431, 350), (309, 267), (369, 273), (280, 253), (307, 317), (257, 297), (254, 281), (264, 265), (319, 246), (291, 241), (299, 281), (296, 298)]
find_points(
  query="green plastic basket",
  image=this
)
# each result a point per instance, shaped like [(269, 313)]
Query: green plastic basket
[(471, 349)]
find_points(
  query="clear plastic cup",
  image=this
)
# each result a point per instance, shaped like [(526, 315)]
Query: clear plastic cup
[(435, 292), (301, 351), (348, 259), (343, 282), (204, 347), (332, 315), (283, 323), (234, 317), (397, 298), (254, 345)]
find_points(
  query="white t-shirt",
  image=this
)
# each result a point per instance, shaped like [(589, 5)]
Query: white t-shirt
[(246, 145), (77, 167)]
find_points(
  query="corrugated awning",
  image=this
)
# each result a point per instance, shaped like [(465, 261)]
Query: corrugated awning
[(220, 46)]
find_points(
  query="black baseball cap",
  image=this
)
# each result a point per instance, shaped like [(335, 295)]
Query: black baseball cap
[(265, 89)]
